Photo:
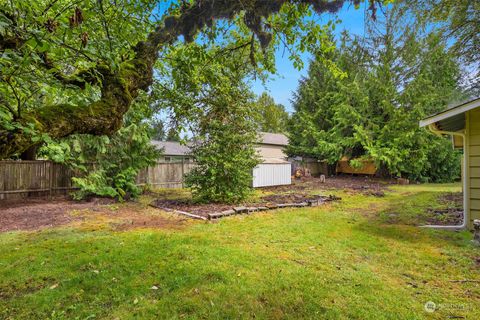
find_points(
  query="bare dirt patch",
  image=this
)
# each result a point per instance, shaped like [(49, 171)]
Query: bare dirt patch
[(37, 214), (289, 198), (130, 217), (40, 214), (34, 214), (187, 205), (204, 210), (356, 184), (451, 211)]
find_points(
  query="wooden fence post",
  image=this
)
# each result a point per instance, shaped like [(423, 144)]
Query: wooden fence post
[(183, 172), (50, 180), (46, 178), (147, 176)]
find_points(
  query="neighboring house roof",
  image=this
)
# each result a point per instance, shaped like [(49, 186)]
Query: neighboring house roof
[(171, 148), (278, 139), (453, 118)]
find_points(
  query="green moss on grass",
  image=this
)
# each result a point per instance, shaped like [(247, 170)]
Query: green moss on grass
[(339, 261)]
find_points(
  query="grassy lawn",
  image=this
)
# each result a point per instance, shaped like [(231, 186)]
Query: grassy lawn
[(361, 258)]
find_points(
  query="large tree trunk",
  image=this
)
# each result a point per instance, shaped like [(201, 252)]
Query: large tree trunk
[(121, 87)]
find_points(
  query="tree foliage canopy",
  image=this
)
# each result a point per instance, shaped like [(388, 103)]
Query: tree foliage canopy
[(392, 79), (272, 116), (458, 23), (75, 67), (211, 99)]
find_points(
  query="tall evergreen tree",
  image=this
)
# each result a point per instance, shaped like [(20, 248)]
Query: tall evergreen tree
[(158, 130), (394, 77), (272, 116)]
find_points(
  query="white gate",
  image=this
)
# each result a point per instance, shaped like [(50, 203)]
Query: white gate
[(272, 174)]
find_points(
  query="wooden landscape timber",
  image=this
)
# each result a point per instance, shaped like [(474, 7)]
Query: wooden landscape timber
[(251, 209), (187, 214)]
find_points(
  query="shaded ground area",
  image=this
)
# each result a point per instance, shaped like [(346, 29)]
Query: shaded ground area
[(39, 214), (270, 201), (416, 205), (33, 214), (187, 206), (133, 219)]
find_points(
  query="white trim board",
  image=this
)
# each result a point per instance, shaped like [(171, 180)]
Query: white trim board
[(451, 112)]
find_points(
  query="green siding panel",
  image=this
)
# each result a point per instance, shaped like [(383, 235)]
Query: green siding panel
[(474, 214), (475, 139), (475, 114), (475, 193), (474, 204), (475, 151), (475, 161), (474, 172), (475, 122), (475, 182)]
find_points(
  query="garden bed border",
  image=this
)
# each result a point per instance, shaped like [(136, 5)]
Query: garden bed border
[(251, 209)]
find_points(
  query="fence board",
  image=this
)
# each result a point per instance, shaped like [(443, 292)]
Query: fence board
[(23, 179)]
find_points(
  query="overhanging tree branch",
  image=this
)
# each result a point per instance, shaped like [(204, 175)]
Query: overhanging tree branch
[(119, 87)]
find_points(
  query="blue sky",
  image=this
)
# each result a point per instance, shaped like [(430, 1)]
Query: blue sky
[(281, 87)]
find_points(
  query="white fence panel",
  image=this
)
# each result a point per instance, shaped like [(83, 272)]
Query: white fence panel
[(272, 174)]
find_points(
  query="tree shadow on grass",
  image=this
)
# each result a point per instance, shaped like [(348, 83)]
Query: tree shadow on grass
[(403, 217), (415, 234)]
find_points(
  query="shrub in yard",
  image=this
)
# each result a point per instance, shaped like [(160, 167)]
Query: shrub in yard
[(225, 158), (211, 98), (108, 166), (224, 150)]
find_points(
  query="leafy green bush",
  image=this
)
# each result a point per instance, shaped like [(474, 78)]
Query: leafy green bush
[(108, 166), (225, 161), (224, 148), (95, 183), (99, 183)]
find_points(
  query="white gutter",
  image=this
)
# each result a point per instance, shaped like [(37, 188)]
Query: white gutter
[(434, 129)]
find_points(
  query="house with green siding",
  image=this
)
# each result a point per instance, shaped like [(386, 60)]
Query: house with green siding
[(462, 122)]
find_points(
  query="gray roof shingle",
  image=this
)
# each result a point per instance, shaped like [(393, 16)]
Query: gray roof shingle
[(278, 139), (172, 148)]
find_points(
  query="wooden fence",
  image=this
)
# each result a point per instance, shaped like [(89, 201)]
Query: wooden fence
[(23, 179), (315, 167)]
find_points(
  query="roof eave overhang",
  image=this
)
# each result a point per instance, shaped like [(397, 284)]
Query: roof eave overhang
[(450, 113)]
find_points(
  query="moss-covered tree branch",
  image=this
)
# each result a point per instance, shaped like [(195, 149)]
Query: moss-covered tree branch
[(120, 86)]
